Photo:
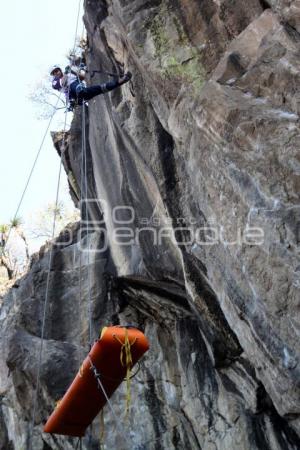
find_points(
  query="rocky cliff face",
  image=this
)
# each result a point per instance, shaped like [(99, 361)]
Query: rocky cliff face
[(194, 220)]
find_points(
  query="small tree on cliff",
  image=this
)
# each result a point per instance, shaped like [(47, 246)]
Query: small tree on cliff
[(4, 256), (14, 254), (42, 223)]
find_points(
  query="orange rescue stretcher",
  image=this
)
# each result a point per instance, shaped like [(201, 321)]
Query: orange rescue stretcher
[(84, 400)]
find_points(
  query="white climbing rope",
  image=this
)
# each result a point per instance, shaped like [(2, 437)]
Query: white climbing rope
[(77, 24), (42, 142), (30, 175), (101, 388), (81, 354), (46, 301), (85, 214), (87, 223)]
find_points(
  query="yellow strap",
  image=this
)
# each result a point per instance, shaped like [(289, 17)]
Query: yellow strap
[(102, 332), (126, 353)]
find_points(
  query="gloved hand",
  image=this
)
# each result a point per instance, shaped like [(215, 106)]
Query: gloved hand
[(67, 69)]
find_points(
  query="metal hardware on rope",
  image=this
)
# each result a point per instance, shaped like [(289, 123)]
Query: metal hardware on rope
[(101, 387), (124, 379), (137, 371), (81, 372)]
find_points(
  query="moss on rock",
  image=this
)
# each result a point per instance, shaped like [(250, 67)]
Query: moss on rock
[(168, 51)]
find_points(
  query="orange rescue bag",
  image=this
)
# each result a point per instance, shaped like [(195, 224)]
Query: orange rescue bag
[(84, 400)]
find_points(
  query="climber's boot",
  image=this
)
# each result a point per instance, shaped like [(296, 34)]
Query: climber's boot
[(125, 78)]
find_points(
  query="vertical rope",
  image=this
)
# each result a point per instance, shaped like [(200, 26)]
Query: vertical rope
[(50, 260), (80, 250), (87, 224), (43, 140), (30, 173), (81, 212), (77, 23), (127, 348), (47, 293), (81, 353)]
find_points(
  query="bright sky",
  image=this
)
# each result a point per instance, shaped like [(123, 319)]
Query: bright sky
[(34, 35)]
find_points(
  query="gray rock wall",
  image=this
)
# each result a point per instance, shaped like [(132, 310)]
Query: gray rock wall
[(203, 148)]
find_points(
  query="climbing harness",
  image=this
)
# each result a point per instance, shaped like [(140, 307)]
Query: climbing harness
[(71, 103)]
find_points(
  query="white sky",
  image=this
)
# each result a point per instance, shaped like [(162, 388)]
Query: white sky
[(34, 35)]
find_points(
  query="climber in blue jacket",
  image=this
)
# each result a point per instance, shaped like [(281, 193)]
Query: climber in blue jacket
[(72, 83)]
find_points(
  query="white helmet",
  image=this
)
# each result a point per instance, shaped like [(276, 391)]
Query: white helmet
[(56, 66)]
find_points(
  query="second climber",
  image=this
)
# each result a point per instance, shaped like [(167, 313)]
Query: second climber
[(72, 83)]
